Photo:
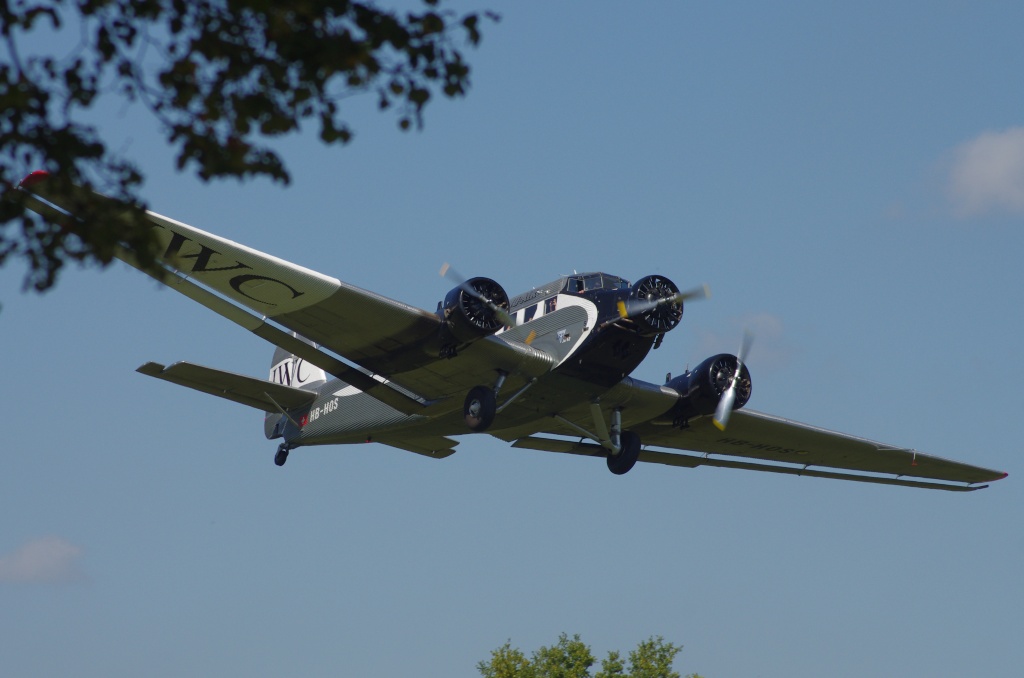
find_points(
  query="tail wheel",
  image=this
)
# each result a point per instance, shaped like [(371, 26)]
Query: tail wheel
[(480, 408), (628, 454)]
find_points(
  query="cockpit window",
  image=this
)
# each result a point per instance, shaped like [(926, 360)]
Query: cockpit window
[(597, 281)]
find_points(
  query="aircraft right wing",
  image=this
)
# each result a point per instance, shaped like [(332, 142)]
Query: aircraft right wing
[(382, 336)]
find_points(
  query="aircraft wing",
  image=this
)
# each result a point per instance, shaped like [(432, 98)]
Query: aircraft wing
[(806, 449), (356, 323), (755, 441), (381, 336)]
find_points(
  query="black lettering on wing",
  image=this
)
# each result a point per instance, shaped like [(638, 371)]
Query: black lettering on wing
[(239, 280)]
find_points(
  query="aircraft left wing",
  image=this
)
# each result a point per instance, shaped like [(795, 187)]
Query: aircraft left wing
[(804, 449), (753, 441)]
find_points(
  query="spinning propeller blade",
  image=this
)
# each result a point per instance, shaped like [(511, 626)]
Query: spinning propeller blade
[(448, 272), (702, 292), (724, 408)]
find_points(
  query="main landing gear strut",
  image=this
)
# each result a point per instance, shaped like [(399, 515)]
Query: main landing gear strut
[(482, 403), (623, 446)]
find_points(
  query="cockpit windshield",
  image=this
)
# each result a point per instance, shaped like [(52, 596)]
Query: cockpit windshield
[(595, 281)]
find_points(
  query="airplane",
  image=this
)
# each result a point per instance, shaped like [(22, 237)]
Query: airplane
[(548, 369)]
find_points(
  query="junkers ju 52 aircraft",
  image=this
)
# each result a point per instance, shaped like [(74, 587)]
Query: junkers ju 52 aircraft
[(548, 369)]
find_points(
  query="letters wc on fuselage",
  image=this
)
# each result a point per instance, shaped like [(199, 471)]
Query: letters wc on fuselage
[(296, 372)]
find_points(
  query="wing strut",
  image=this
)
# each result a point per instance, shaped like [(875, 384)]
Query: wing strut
[(283, 411)]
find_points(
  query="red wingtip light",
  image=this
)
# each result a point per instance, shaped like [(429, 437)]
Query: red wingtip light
[(37, 177)]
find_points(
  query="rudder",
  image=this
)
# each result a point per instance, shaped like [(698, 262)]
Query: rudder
[(290, 370)]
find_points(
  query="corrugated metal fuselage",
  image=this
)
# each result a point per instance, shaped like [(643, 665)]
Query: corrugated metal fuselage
[(594, 347)]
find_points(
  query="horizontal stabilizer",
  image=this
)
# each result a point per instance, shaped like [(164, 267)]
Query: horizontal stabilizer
[(259, 393), (433, 447)]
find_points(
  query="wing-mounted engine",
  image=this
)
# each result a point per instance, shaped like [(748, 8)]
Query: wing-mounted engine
[(655, 305), (475, 309), (701, 389)]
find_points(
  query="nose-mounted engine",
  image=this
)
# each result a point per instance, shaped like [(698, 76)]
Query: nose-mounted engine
[(655, 305)]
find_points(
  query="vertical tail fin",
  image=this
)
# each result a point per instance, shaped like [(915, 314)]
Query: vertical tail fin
[(290, 370)]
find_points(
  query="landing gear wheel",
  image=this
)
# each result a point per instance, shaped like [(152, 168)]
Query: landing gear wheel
[(480, 408), (627, 456), (282, 455)]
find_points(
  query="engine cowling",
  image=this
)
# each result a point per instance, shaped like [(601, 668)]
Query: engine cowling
[(700, 389), (657, 318), (468, 317)]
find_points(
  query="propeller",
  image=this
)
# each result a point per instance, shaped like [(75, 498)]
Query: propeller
[(724, 408), (639, 308), (500, 313)]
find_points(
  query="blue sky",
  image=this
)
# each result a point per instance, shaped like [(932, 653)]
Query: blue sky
[(848, 180)]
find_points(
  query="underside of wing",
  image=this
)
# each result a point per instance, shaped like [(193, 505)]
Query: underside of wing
[(754, 435), (693, 461), (753, 441)]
